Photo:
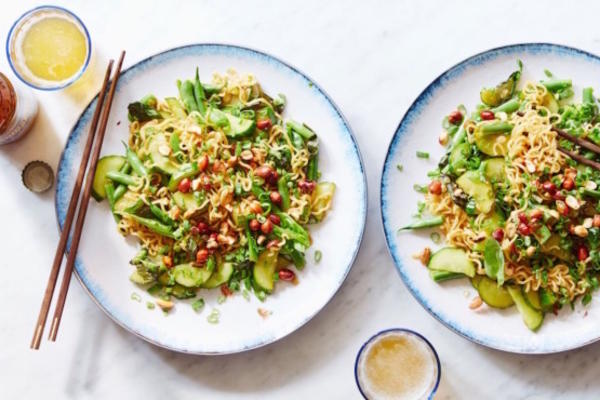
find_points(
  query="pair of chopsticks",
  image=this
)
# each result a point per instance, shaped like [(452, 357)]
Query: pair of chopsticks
[(586, 144), (104, 109)]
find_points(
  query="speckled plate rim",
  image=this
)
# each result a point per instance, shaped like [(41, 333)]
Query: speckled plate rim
[(405, 124), (125, 74)]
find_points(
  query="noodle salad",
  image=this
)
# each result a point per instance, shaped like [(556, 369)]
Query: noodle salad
[(519, 217), (218, 189)]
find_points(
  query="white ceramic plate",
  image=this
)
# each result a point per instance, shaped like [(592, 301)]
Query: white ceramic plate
[(102, 261), (419, 130)]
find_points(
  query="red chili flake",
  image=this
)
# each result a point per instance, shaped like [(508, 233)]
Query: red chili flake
[(225, 290)]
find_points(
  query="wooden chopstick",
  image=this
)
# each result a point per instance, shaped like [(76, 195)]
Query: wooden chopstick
[(586, 144), (578, 141), (64, 288), (62, 243), (580, 158)]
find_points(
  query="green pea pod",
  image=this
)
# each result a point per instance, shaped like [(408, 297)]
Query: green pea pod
[(301, 129), (252, 249), (160, 214), (135, 162), (109, 188), (508, 107), (493, 260), (424, 223), (496, 127), (283, 190), (153, 225), (186, 92), (312, 171), (199, 94), (122, 178)]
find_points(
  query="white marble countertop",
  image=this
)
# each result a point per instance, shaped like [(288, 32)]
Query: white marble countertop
[(373, 58)]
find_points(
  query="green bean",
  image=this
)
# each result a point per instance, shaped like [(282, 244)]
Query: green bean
[(199, 94), (496, 127), (555, 85), (153, 225), (312, 171), (301, 129), (135, 162), (588, 95), (283, 190), (440, 276), (186, 92), (160, 214), (508, 107), (186, 171), (122, 178), (424, 223)]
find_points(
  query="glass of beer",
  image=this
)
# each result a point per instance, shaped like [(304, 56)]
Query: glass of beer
[(48, 48), (397, 364)]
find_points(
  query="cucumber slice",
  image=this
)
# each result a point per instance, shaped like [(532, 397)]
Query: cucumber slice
[(493, 169), (492, 294), (190, 276), (451, 259), (547, 299), (220, 276), (533, 318), (264, 268), (491, 144), (458, 158), (234, 127), (125, 204), (182, 292), (472, 184), (532, 298), (165, 279), (552, 247), (176, 107), (156, 144), (140, 279), (476, 280), (550, 102), (105, 165), (440, 276), (186, 201)]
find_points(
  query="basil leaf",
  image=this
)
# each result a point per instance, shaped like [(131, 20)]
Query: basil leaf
[(493, 259)]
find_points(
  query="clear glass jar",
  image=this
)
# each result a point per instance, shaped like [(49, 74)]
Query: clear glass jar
[(18, 108)]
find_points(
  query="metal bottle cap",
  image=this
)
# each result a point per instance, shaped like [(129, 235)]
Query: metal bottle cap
[(37, 176)]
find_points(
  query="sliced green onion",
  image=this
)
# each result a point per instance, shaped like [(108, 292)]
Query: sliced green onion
[(221, 299), (420, 188), (213, 317), (422, 154), (318, 256), (198, 305), (435, 237), (150, 305), (399, 167), (136, 297)]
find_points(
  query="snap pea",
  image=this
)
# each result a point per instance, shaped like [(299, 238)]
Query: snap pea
[(588, 95), (459, 137), (496, 127), (186, 171), (508, 107), (153, 225), (121, 189), (293, 229), (296, 139), (301, 129), (592, 193), (186, 92), (555, 85), (135, 162), (283, 190), (291, 234), (121, 178), (312, 171), (199, 94), (160, 214), (424, 223), (109, 188), (252, 249)]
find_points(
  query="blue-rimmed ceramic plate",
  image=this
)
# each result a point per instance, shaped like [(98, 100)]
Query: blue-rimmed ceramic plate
[(102, 261), (419, 130)]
